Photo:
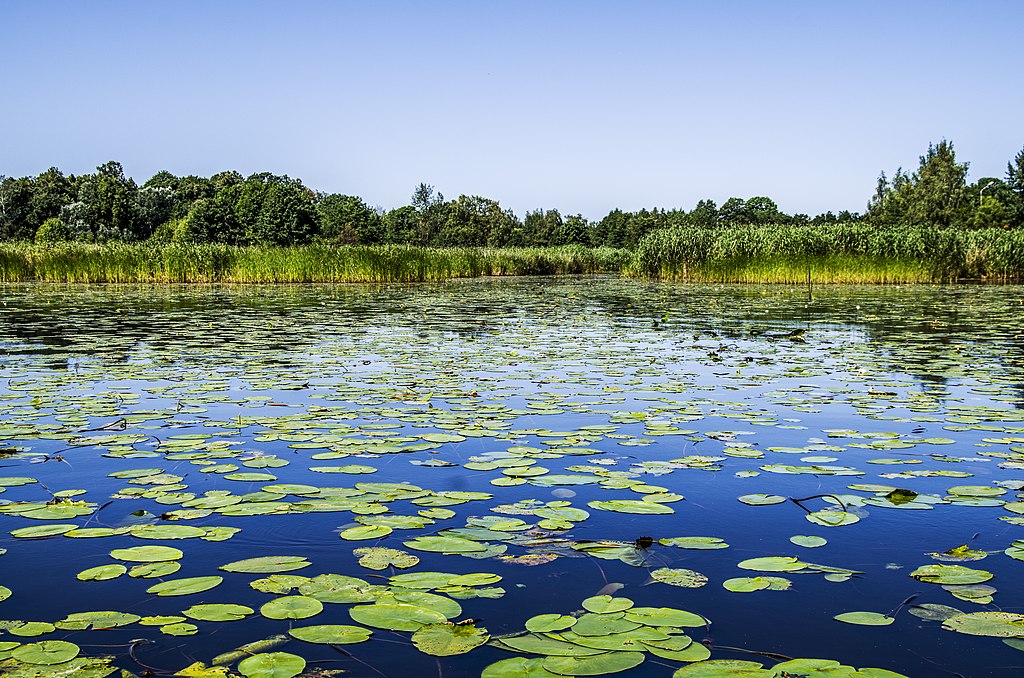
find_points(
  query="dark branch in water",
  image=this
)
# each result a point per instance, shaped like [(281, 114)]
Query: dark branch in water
[(816, 496)]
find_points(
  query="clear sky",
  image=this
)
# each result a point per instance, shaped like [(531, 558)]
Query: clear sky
[(580, 105)]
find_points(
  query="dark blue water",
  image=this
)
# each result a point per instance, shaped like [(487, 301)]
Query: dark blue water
[(293, 372)]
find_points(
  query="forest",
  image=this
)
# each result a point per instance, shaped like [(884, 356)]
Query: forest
[(269, 210)]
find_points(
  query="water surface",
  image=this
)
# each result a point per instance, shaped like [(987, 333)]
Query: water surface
[(692, 396)]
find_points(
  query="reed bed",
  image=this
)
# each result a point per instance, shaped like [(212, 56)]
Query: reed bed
[(184, 263), (839, 253)]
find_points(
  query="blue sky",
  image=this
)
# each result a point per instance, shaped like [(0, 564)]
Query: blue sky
[(583, 106)]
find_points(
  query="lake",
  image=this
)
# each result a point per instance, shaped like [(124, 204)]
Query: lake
[(514, 477)]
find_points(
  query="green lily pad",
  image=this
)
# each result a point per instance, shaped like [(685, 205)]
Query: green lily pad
[(547, 623), (147, 554), (679, 577), (395, 616), (46, 652), (806, 541), (272, 665), (597, 665), (517, 667), (218, 612), (39, 531), (153, 570), (631, 506), (950, 574), (365, 532), (101, 573), (30, 629), (447, 639), (773, 564), (603, 604), (664, 616), (724, 668), (865, 618), (292, 607), (381, 558), (184, 587), (761, 499), (993, 624), (336, 634), (267, 564), (446, 545)]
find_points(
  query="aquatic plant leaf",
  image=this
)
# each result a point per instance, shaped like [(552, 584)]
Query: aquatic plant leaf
[(773, 564), (597, 665), (807, 541), (179, 629), (828, 518), (745, 584), (664, 616), (381, 558), (395, 616), (331, 634), (631, 506), (292, 607), (30, 629), (761, 499), (101, 573), (365, 532), (865, 618), (218, 612), (933, 611), (46, 652), (267, 564), (39, 531), (724, 668), (167, 531), (272, 665), (184, 587), (445, 545), (517, 667), (153, 570), (950, 574), (447, 639), (993, 624), (147, 554), (547, 623), (698, 543), (81, 621), (604, 604), (201, 670), (544, 644), (679, 577)]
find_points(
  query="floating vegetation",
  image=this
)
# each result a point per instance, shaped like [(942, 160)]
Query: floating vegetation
[(509, 477)]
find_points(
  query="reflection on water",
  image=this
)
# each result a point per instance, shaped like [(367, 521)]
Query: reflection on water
[(587, 391)]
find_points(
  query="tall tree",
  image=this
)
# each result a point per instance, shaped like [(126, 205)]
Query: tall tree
[(938, 187), (347, 219)]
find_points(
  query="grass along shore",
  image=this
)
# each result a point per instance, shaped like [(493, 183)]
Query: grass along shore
[(184, 263), (839, 253)]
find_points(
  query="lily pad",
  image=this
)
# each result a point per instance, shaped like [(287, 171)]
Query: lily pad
[(292, 607), (331, 634), (865, 618), (272, 665), (395, 616), (184, 587), (447, 639), (147, 554), (218, 612), (46, 652), (267, 564)]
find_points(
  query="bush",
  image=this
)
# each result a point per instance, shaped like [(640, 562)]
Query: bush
[(53, 230)]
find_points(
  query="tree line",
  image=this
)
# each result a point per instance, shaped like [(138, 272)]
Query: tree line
[(267, 209)]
